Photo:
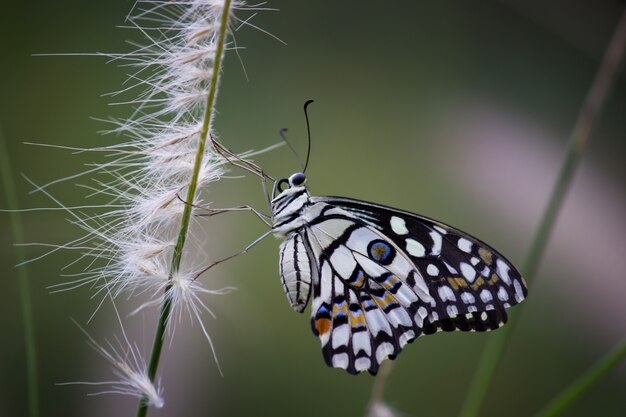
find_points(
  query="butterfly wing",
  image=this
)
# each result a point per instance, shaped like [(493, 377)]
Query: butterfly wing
[(387, 276), (369, 301), (464, 275)]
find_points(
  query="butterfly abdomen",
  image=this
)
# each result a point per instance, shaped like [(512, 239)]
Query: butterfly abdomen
[(295, 272)]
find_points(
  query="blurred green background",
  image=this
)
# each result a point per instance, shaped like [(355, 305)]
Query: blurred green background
[(455, 110)]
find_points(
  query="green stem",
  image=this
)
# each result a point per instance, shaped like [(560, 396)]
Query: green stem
[(166, 308), (579, 139), (24, 286), (583, 383)]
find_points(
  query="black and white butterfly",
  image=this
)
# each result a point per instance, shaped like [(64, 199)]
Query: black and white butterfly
[(380, 277)]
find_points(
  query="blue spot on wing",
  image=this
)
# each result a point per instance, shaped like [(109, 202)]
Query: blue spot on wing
[(323, 310), (379, 251)]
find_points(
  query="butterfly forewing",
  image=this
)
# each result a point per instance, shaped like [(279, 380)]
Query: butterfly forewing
[(470, 283)]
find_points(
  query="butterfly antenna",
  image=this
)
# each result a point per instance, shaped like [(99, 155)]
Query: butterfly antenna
[(308, 131), (282, 135)]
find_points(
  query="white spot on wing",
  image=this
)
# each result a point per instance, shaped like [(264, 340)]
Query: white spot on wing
[(326, 284), (486, 296), (467, 298), (340, 336), (432, 270), (502, 294), (399, 316), (451, 268), (437, 242), (385, 349), (452, 311), (503, 271), (361, 342), (519, 294), (362, 364), (340, 360), (415, 248), (343, 261), (376, 322), (446, 294), (468, 272), (465, 245), (398, 225), (405, 337)]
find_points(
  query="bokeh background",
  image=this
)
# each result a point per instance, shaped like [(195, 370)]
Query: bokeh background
[(455, 110)]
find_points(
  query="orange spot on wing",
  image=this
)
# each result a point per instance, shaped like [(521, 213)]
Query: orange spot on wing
[(481, 282), (385, 301), (493, 280), (359, 281), (378, 252), (478, 283), (390, 282), (357, 319), (486, 256), (322, 326), (340, 308), (457, 283)]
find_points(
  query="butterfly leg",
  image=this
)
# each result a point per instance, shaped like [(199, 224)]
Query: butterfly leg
[(266, 191), (246, 249), (237, 161), (212, 212)]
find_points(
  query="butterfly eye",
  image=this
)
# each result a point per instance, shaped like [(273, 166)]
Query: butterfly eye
[(297, 179)]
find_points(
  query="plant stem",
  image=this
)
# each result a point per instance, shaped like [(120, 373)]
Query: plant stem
[(378, 389), (578, 142), (583, 383), (24, 286), (193, 185)]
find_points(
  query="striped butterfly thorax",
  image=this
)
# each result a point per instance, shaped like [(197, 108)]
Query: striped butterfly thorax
[(381, 277)]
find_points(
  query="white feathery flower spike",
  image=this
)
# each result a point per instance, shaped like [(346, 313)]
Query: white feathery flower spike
[(128, 366), (135, 244), (141, 242), (129, 244)]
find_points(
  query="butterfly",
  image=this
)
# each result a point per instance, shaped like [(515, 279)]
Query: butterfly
[(378, 278)]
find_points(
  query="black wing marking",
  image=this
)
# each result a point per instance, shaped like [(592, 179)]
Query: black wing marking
[(367, 303), (471, 284)]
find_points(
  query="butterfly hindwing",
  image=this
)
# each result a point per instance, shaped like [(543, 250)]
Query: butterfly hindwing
[(469, 282), (369, 300)]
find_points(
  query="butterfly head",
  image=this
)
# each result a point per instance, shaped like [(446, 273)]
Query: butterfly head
[(290, 196), (290, 185)]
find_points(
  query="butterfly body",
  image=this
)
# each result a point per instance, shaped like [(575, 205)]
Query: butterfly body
[(377, 277)]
